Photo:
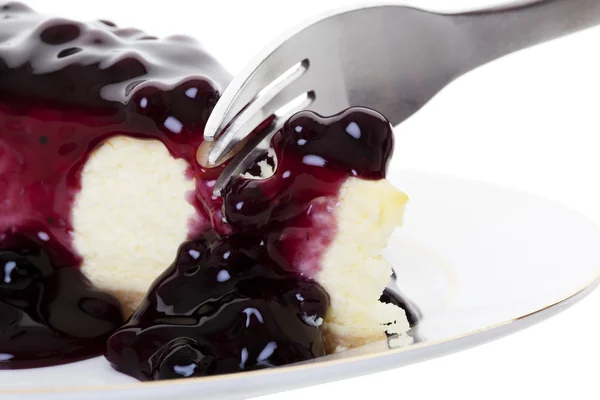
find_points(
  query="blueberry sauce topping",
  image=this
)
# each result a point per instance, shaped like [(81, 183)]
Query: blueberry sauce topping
[(310, 165), (47, 315), (292, 208), (55, 109), (65, 87), (246, 301), (224, 306), (240, 295)]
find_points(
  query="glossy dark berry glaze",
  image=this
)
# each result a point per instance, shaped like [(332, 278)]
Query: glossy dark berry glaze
[(247, 301), (64, 88), (293, 207), (239, 296), (224, 306), (47, 315)]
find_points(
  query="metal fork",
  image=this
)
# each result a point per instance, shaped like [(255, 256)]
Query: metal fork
[(390, 58)]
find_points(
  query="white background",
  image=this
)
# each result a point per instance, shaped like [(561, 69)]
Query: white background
[(530, 121)]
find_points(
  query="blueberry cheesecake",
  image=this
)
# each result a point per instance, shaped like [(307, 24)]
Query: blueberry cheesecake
[(112, 242)]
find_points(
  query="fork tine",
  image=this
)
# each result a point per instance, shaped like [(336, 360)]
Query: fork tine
[(265, 76), (226, 107), (243, 160), (229, 130), (256, 147), (237, 131), (261, 71), (255, 113)]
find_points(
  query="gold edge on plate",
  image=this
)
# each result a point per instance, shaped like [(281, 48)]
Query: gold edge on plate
[(289, 368)]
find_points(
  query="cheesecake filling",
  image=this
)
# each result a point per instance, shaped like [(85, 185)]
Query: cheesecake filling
[(100, 190)]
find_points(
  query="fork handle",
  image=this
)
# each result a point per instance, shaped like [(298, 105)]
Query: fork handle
[(502, 30)]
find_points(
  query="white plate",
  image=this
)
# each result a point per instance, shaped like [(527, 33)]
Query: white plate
[(481, 262)]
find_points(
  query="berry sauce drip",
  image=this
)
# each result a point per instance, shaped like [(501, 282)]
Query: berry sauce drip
[(239, 303), (393, 295), (50, 316), (292, 208), (65, 87), (224, 306)]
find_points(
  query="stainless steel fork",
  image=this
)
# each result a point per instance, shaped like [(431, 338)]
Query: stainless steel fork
[(390, 58)]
